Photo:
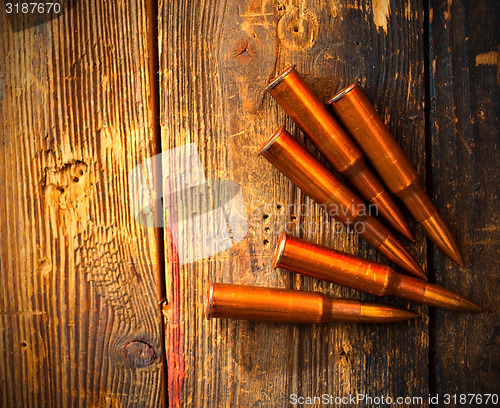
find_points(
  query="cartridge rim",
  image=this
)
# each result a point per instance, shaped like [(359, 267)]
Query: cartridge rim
[(344, 91), (267, 144), (279, 78), (210, 300), (280, 249)]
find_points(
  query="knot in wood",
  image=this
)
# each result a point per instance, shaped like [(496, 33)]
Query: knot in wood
[(139, 353), (244, 51)]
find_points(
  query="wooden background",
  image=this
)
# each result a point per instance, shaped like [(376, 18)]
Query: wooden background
[(81, 105)]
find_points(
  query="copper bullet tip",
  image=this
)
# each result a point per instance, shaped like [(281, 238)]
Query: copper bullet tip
[(376, 312), (441, 297), (383, 201), (280, 77), (392, 248), (475, 308), (435, 227)]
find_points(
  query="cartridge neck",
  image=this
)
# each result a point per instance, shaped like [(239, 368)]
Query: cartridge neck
[(341, 310)]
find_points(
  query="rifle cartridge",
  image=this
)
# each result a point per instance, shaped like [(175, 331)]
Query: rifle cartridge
[(365, 125), (294, 306), (300, 102), (320, 262), (307, 173)]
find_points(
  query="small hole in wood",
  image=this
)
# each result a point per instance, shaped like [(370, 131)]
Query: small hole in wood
[(76, 179), (267, 229), (81, 172), (480, 113), (296, 29), (266, 216), (279, 206), (293, 218), (266, 242), (23, 344)]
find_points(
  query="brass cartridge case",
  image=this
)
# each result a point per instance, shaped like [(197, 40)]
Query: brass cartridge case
[(295, 306), (307, 173), (298, 255), (364, 124), (300, 103)]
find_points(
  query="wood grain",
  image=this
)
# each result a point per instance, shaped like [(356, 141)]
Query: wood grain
[(216, 58), (79, 286), (78, 296), (464, 122)]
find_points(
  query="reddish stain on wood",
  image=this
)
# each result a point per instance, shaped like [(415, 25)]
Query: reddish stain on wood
[(173, 328)]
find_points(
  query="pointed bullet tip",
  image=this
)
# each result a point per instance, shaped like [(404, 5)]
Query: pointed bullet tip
[(376, 312), (398, 254), (402, 314), (392, 214), (405, 230), (439, 233), (422, 276), (416, 270), (459, 260), (467, 306), (475, 308), (408, 235), (412, 315), (438, 296), (453, 252)]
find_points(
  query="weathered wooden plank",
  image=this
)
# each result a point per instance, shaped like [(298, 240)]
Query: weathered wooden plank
[(216, 58), (78, 296), (464, 118)]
